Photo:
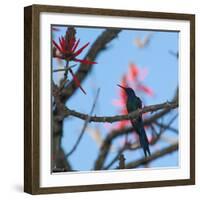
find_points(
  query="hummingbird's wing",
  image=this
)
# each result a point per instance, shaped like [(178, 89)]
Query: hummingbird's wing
[(139, 103)]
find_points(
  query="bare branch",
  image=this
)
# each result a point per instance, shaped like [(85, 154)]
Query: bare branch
[(64, 69), (132, 115), (166, 126), (154, 156), (176, 54)]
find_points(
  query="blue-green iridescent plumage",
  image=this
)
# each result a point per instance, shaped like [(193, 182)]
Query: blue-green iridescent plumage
[(133, 103)]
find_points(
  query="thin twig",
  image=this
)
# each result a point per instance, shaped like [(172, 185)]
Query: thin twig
[(64, 80), (64, 69), (173, 53), (85, 125), (166, 126)]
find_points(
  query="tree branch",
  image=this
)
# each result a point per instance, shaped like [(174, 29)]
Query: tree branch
[(154, 156), (166, 126), (132, 115), (64, 69)]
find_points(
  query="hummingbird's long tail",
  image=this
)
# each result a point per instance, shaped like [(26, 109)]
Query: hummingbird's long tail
[(139, 128)]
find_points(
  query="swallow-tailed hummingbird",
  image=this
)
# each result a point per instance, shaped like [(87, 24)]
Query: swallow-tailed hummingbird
[(132, 104)]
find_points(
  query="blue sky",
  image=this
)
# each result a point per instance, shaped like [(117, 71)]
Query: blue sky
[(162, 77)]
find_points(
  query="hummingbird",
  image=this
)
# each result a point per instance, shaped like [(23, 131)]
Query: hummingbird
[(132, 104)]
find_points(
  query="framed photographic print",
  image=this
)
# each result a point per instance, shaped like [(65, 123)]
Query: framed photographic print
[(109, 99)]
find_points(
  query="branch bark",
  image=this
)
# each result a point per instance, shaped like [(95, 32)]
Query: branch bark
[(132, 115), (154, 156)]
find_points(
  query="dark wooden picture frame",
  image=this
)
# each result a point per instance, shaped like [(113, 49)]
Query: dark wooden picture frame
[(32, 101)]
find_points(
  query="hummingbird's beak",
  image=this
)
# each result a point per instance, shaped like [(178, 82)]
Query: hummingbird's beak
[(121, 86)]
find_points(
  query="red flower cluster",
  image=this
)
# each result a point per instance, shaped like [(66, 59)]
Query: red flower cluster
[(67, 47), (132, 79), (67, 50)]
